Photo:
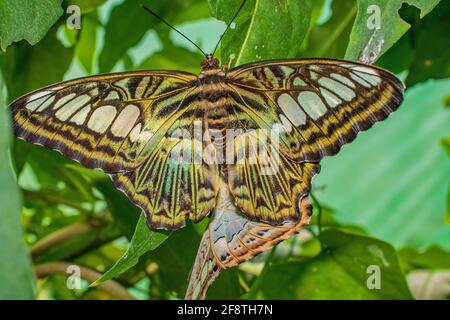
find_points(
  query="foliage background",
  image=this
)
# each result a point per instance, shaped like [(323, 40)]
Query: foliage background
[(384, 200)]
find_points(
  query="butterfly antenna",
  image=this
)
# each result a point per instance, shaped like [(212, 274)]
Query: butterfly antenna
[(228, 26), (173, 28)]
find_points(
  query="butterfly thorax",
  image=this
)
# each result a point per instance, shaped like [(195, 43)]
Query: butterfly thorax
[(215, 100)]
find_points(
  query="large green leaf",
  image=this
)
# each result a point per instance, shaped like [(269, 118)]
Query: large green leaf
[(330, 39), (28, 68), (16, 276), (432, 46), (29, 20), (265, 29), (143, 240), (125, 214), (173, 58), (392, 26), (86, 45), (432, 258), (85, 6), (128, 23), (342, 271), (175, 258)]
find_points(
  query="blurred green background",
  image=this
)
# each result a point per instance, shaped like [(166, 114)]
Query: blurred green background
[(383, 200)]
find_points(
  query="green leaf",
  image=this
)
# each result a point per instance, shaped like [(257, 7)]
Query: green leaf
[(265, 29), (432, 258), (28, 68), (86, 6), (126, 26), (447, 215), (329, 40), (341, 271), (86, 45), (365, 33), (446, 144), (432, 46), (16, 275), (143, 241), (125, 214), (128, 23), (173, 58), (175, 258), (29, 20), (226, 286)]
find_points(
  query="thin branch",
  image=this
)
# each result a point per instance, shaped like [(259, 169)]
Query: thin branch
[(112, 287), (51, 198), (64, 234)]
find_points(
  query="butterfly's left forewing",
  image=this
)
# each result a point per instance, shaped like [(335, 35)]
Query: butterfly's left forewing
[(99, 121), (126, 124)]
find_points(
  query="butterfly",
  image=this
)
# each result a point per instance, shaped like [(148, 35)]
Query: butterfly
[(162, 136), (135, 125)]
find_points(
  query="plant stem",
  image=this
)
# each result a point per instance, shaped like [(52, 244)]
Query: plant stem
[(59, 267)]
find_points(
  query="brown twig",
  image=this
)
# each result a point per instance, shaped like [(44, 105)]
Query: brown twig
[(59, 267), (63, 234)]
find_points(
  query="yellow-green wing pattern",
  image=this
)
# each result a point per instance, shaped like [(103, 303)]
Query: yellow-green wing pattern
[(126, 125), (317, 106), (174, 183), (99, 121)]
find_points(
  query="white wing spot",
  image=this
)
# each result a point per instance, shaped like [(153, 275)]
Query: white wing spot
[(330, 98), (341, 90), (80, 116), (101, 118), (39, 103), (94, 92), (113, 95), (365, 70), (125, 121), (64, 100), (285, 124), (343, 79), (38, 95), (360, 80), (66, 111), (134, 134), (372, 79), (46, 104), (312, 104), (291, 109), (287, 70), (298, 82)]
